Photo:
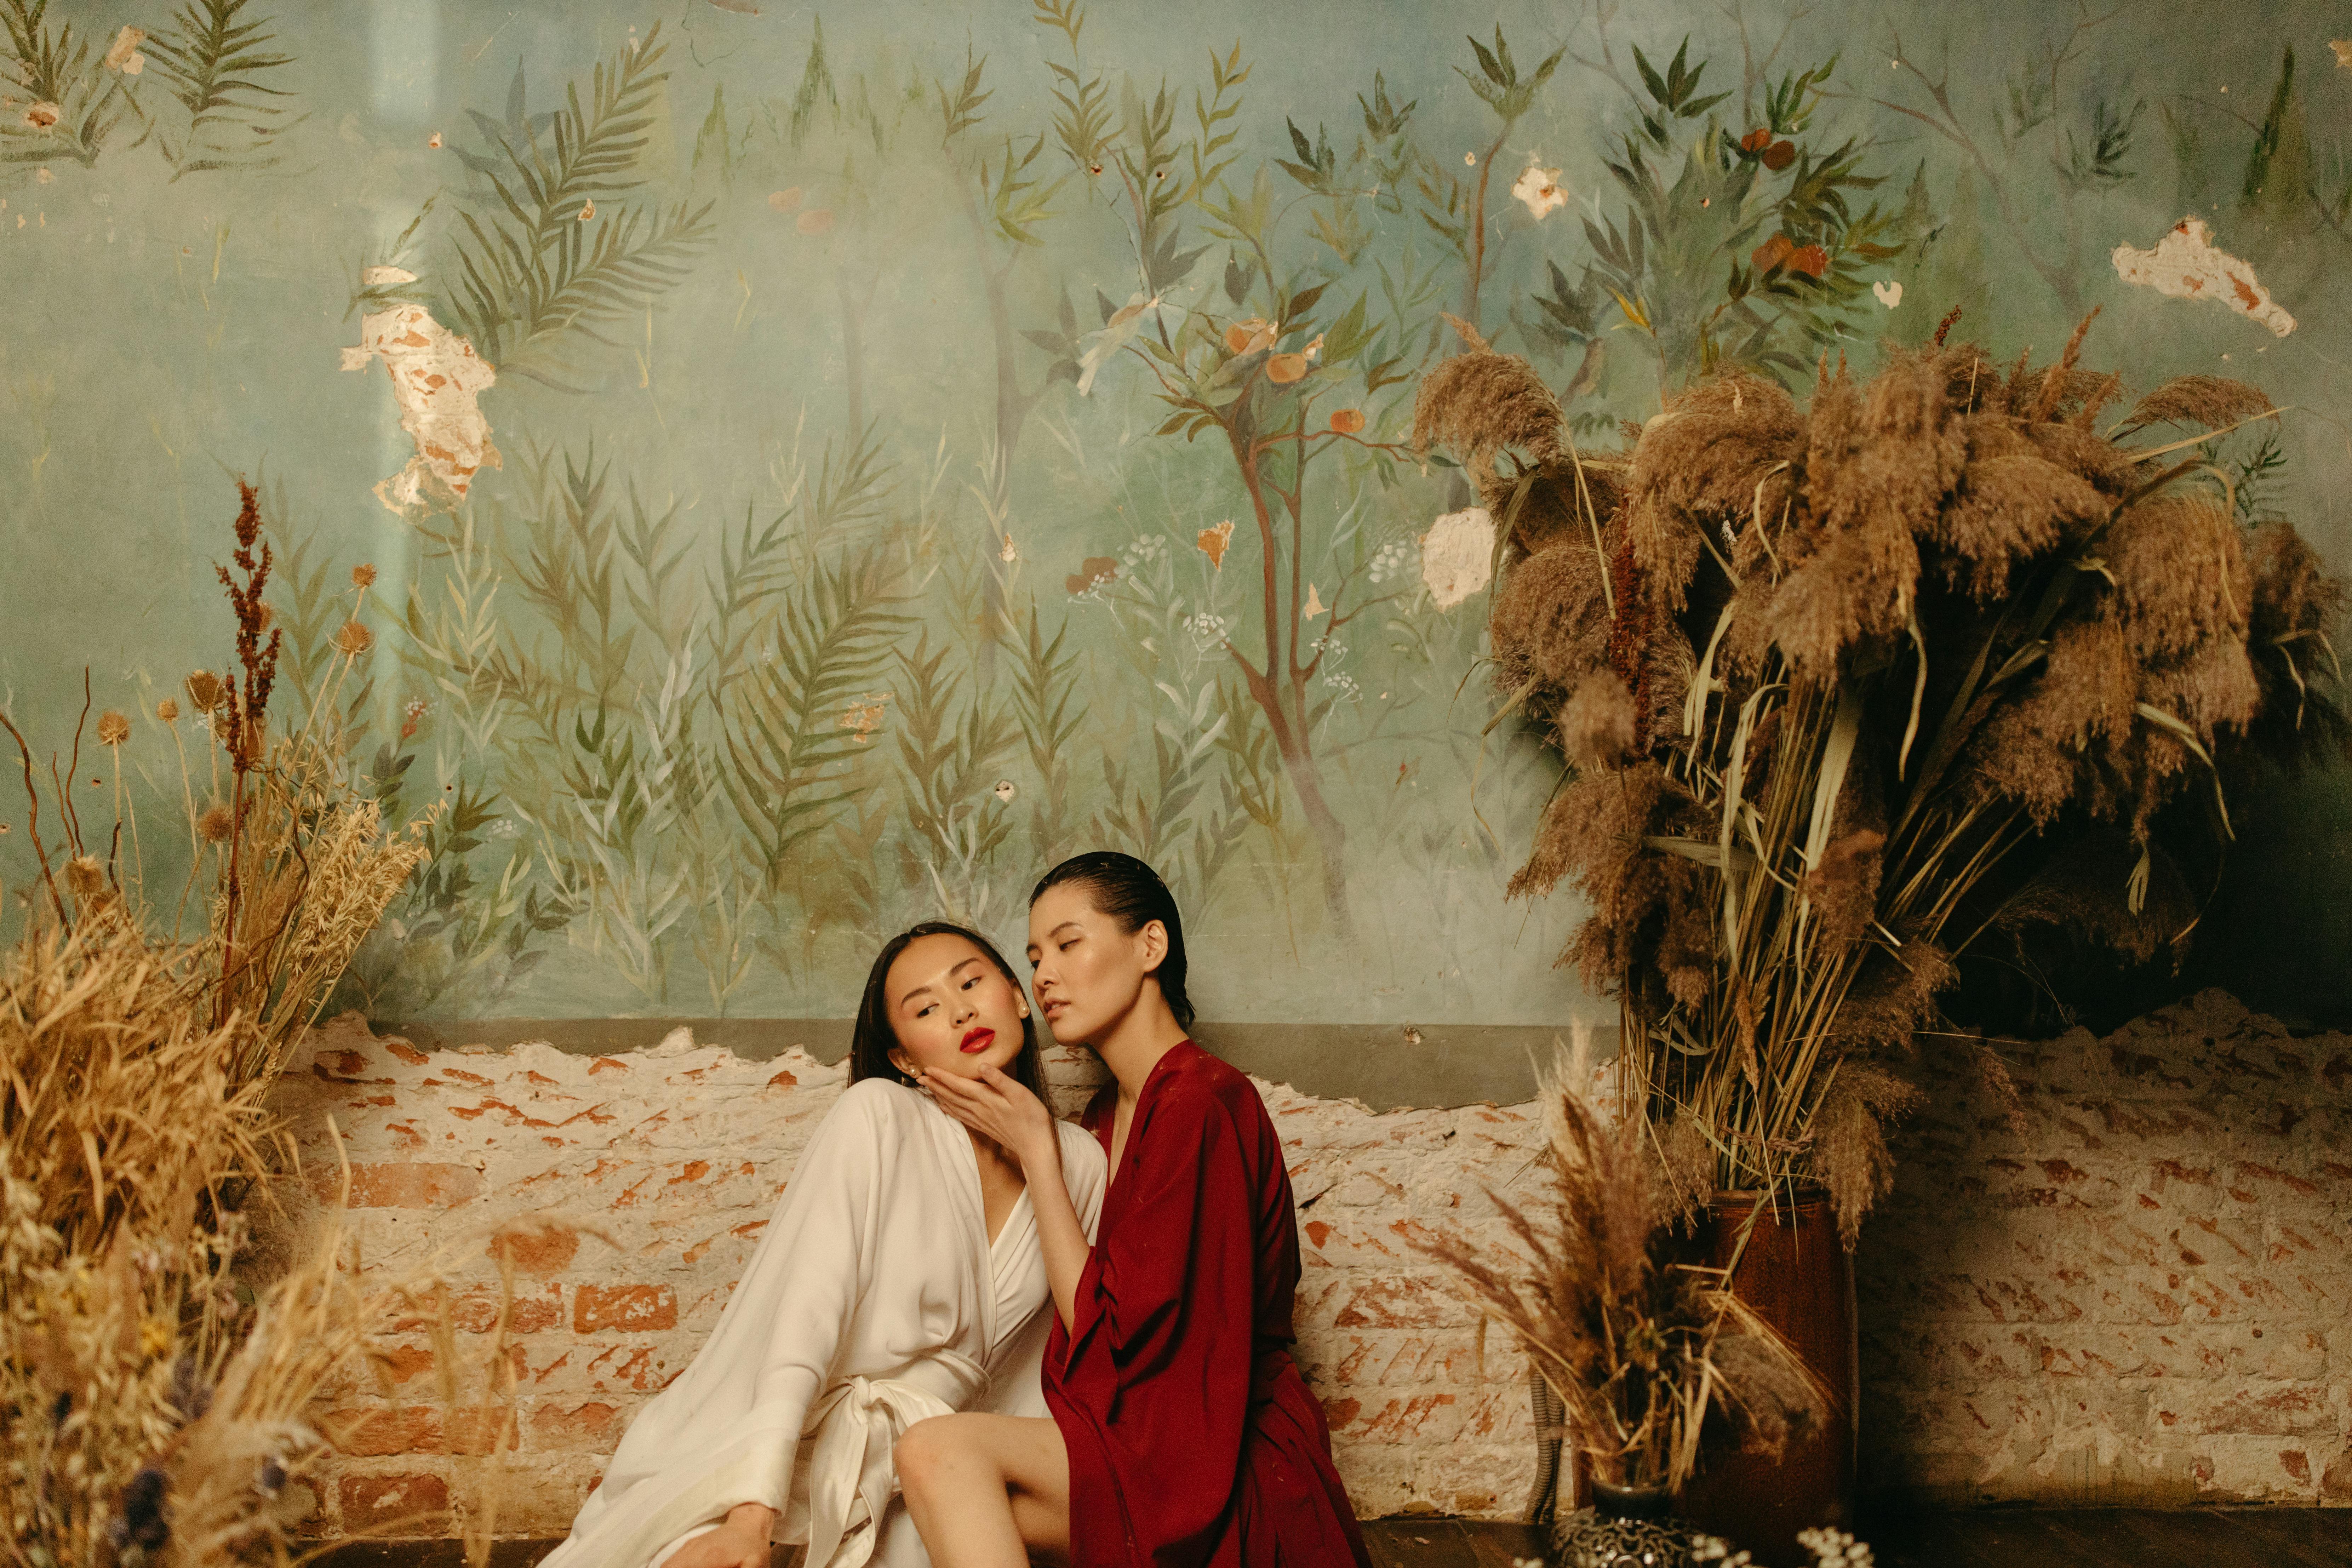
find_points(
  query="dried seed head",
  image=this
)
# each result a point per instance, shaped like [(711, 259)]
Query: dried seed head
[(85, 877), (1478, 404), (363, 575), (1551, 618), (354, 639), (1853, 1158), (167, 711), (2292, 591), (1596, 722), (215, 823), (205, 690), (2211, 400), (113, 728)]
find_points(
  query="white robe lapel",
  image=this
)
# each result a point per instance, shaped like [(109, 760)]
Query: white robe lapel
[(960, 1165)]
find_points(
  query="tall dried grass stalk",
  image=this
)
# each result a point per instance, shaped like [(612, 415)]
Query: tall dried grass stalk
[(1888, 655), (1645, 1352)]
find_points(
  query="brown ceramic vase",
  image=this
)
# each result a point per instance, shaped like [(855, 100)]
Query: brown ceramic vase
[(1798, 1278)]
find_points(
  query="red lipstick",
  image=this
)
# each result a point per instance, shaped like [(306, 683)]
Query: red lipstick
[(977, 1041)]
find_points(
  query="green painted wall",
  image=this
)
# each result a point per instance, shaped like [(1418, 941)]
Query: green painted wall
[(844, 558)]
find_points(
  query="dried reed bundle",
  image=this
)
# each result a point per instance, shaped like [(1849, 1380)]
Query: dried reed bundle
[(320, 872), (120, 1109), (1643, 1351), (147, 1411), (1930, 658)]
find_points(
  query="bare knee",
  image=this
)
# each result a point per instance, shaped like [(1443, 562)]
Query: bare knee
[(925, 1452)]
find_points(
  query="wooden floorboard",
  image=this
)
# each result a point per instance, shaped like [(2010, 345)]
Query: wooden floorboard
[(1499, 1544), (2114, 1538), (1980, 1538)]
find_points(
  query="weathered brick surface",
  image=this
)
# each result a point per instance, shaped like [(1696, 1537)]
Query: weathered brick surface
[(2139, 1290), (646, 1177), (405, 1502), (2139, 1294)]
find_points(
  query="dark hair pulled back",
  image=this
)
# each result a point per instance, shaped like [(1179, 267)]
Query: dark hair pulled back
[(1131, 893), (872, 1037)]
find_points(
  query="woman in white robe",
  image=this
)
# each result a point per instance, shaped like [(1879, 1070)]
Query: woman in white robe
[(877, 1297)]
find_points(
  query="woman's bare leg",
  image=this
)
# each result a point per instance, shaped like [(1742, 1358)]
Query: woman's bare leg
[(987, 1491)]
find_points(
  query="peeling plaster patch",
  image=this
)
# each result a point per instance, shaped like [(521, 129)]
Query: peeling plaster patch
[(1214, 542), (124, 55), (2343, 48), (435, 377), (1457, 555), (2184, 265), (1890, 294)]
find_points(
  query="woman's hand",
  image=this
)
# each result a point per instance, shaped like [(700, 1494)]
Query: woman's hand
[(996, 1105), (741, 1543)]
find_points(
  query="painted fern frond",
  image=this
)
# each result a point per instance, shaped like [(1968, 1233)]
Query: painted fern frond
[(796, 735), (541, 261), (219, 66)]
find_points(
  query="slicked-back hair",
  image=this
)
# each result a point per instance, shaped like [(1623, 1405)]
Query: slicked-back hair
[(1131, 893)]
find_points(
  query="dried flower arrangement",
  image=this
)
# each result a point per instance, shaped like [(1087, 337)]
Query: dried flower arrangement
[(1845, 688), (1647, 1352), (152, 1405)]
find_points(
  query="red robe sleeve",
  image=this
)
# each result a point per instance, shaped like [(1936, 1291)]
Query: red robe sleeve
[(1191, 1440)]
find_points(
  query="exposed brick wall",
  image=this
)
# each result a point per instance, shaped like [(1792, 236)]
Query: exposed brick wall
[(2141, 1295), (2141, 1291), (661, 1166)]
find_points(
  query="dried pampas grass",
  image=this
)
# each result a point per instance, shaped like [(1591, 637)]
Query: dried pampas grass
[(2205, 402), (1480, 403), (1640, 1347), (1853, 1160), (1885, 656)]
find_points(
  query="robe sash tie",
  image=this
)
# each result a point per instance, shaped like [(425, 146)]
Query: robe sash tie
[(851, 1476)]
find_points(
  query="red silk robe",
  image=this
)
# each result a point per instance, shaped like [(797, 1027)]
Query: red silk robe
[(1193, 1439)]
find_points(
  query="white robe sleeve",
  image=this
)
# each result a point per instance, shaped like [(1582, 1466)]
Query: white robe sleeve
[(739, 1409), (1084, 1168)]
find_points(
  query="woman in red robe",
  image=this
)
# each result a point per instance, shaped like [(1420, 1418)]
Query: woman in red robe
[(1181, 1431)]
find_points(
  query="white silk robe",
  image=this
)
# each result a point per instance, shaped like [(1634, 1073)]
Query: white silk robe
[(874, 1299)]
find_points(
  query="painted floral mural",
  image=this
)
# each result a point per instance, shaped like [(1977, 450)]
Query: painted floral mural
[(760, 475)]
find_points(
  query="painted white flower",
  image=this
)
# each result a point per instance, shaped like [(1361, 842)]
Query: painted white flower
[(1539, 189), (1207, 630), (1890, 294), (1389, 561)]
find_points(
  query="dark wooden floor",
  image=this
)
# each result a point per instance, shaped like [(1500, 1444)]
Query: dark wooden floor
[(1984, 1538)]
